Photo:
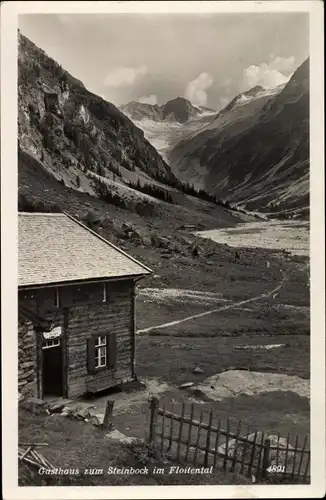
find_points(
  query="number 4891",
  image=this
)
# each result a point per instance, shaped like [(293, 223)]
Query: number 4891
[(276, 468)]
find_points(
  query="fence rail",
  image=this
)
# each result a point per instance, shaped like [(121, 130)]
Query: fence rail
[(203, 442)]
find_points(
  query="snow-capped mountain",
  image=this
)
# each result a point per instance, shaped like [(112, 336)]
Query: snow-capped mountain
[(255, 151), (179, 110)]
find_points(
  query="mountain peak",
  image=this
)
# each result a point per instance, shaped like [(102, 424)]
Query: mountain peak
[(178, 109), (178, 99)]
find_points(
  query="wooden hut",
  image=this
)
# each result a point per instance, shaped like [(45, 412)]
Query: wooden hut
[(76, 296)]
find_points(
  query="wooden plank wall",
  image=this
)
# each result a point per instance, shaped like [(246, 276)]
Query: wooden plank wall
[(81, 314), (100, 319)]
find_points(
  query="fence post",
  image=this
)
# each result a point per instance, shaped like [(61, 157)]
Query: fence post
[(107, 424), (153, 407), (265, 464)]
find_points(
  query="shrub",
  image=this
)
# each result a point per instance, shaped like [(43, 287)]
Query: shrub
[(90, 220), (101, 171)]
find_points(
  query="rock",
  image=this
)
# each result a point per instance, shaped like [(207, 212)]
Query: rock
[(27, 364), (83, 412), (198, 370), (94, 420), (55, 407), (186, 384), (119, 436), (146, 241), (67, 409), (126, 227)]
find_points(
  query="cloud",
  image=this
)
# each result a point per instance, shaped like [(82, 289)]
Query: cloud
[(150, 99), (276, 72), (196, 89), (124, 77), (282, 64)]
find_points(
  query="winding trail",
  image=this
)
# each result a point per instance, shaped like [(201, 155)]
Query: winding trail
[(218, 309)]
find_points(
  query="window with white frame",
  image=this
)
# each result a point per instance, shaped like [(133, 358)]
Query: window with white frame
[(51, 343), (100, 352)]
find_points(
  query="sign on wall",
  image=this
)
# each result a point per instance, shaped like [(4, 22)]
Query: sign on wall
[(53, 334)]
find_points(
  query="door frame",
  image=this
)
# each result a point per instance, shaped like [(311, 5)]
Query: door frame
[(43, 341)]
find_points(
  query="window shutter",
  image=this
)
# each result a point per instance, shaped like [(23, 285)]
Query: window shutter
[(112, 350), (91, 355)]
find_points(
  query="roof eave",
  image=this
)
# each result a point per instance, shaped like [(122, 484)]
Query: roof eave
[(131, 277)]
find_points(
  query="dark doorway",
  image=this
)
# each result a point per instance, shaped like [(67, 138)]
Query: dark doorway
[(52, 368)]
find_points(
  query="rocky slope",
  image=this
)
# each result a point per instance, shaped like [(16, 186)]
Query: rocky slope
[(79, 154), (74, 133), (179, 110), (256, 150)]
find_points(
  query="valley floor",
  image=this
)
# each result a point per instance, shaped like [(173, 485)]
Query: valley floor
[(223, 341), (191, 276)]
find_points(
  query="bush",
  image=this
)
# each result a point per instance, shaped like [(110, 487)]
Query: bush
[(115, 170), (90, 220), (144, 453), (144, 208), (101, 171)]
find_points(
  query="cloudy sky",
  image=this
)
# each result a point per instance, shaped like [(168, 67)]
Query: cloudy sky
[(206, 58)]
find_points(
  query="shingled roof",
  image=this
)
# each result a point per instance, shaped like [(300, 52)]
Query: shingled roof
[(55, 248)]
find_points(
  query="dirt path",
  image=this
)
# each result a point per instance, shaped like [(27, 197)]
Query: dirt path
[(218, 309)]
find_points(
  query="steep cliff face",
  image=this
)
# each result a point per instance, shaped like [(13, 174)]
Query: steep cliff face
[(256, 150), (74, 133)]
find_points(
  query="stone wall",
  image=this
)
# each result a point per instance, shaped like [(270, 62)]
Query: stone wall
[(27, 368)]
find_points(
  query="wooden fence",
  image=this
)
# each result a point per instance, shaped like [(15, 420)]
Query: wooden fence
[(187, 439)]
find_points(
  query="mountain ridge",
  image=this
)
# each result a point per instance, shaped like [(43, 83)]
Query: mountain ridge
[(178, 109), (78, 153), (255, 154), (62, 124)]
